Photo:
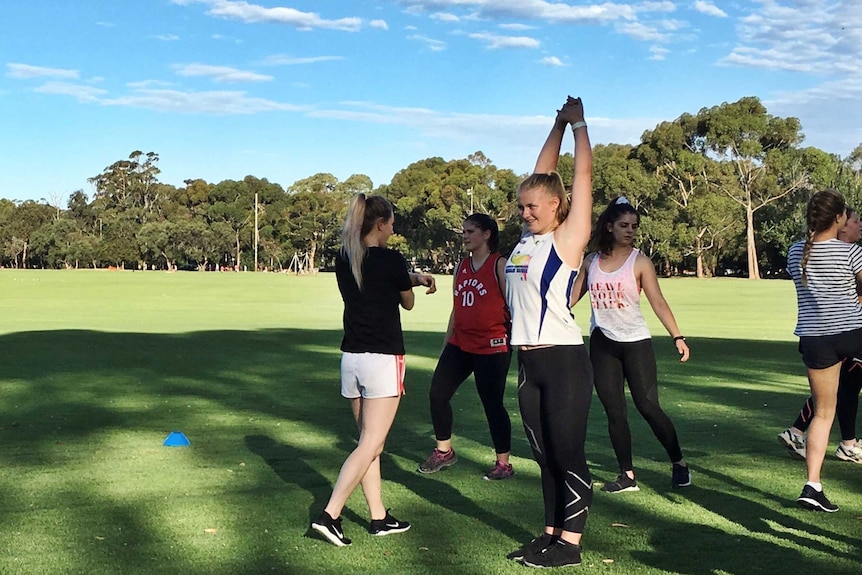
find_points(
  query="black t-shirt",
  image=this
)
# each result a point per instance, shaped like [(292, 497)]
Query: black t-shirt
[(372, 322)]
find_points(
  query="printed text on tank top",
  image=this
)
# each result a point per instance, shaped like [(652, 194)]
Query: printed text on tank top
[(609, 292)]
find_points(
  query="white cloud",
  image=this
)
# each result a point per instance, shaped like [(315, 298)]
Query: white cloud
[(640, 31), (821, 39), (254, 14), (147, 84), (552, 61), (658, 53), (223, 103), (516, 27), (78, 91), (287, 60), (26, 71), (508, 140), (379, 24), (495, 41), (430, 43), (710, 9), (167, 37), (558, 12), (220, 73), (445, 17)]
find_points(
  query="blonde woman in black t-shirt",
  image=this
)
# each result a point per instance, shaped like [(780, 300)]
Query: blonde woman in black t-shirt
[(374, 282)]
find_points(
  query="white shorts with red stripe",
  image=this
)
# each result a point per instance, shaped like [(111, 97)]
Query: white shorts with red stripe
[(372, 375)]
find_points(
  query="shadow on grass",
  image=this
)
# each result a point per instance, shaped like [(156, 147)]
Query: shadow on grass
[(71, 388)]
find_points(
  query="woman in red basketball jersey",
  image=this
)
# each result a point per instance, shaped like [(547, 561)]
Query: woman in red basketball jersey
[(477, 342)]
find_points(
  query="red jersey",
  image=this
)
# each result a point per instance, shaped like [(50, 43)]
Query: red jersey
[(481, 319)]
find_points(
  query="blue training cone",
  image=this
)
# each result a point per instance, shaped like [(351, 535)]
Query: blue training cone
[(177, 439)]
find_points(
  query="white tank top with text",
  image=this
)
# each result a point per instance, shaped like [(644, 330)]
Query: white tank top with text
[(615, 301), (538, 290)]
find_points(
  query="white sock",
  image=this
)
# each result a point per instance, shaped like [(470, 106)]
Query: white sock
[(818, 487)]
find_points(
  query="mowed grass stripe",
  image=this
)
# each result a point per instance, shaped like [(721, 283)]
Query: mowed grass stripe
[(96, 368)]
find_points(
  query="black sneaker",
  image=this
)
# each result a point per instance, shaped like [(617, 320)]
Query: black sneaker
[(681, 476), (815, 500), (537, 545), (330, 529), (622, 483), (561, 554), (387, 525)]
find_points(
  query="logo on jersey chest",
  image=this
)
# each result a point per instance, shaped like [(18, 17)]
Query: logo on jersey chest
[(472, 284)]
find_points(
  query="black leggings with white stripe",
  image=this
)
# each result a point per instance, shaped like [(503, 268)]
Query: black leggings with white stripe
[(614, 364), (555, 386)]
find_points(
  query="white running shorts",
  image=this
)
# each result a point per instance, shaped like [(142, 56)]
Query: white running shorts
[(372, 375)]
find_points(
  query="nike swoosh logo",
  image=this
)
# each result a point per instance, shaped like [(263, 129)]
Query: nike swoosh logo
[(393, 525)]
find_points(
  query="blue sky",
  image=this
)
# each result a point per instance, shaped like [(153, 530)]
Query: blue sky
[(283, 89)]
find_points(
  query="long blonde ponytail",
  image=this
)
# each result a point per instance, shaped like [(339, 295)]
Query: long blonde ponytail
[(362, 214)]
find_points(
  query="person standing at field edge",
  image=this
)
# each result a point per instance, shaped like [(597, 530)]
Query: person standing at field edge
[(373, 281), (477, 342), (621, 348)]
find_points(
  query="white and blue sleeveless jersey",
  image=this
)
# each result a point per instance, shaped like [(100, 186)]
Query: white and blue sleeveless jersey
[(538, 291)]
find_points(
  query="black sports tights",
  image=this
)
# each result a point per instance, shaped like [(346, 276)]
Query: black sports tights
[(555, 386), (489, 371), (614, 364)]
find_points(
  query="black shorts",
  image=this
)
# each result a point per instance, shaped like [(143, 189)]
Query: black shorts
[(822, 351)]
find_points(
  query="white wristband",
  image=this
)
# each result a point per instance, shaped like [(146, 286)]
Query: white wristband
[(577, 125)]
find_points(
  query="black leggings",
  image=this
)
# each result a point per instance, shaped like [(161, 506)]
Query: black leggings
[(614, 364), (849, 386), (555, 387), (489, 371)]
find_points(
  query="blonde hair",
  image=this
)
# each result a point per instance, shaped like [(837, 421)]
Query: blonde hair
[(823, 208), (552, 183), (362, 215)]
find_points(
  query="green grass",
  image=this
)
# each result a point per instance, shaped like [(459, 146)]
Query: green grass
[(97, 367)]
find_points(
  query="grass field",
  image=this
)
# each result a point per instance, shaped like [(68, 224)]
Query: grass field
[(97, 367)]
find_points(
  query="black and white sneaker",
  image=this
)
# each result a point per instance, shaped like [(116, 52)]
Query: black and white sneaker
[(621, 484), (680, 476), (387, 525), (330, 529), (815, 500), (560, 554), (537, 545)]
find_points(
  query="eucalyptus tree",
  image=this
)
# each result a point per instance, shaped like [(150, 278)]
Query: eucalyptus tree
[(749, 139), (131, 187), (314, 210), (433, 196), (62, 243), (688, 183), (27, 218)]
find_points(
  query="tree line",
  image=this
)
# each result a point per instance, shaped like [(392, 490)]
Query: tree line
[(720, 192)]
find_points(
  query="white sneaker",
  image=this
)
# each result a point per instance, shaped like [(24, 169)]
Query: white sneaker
[(849, 452), (794, 443)]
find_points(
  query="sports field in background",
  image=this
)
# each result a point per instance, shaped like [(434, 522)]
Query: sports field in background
[(98, 367)]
